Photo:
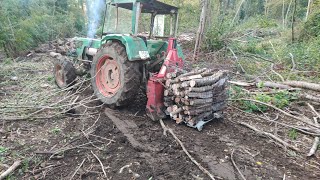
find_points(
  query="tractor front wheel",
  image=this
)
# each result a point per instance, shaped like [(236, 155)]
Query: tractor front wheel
[(115, 80)]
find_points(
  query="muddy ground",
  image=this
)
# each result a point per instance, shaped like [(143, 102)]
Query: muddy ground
[(70, 145)]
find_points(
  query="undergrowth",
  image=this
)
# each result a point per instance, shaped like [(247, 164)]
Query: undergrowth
[(279, 99)]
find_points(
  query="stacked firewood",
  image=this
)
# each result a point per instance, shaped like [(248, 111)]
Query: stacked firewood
[(199, 95)]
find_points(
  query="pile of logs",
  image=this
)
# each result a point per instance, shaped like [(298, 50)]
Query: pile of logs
[(199, 95)]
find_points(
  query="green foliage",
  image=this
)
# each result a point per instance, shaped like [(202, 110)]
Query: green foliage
[(25, 25), (213, 39), (264, 22), (279, 99), (293, 134), (3, 150), (311, 28), (56, 130)]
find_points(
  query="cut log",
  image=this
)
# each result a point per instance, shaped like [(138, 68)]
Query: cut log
[(243, 84), (167, 104), (168, 82), (304, 85), (175, 112), (185, 84), (188, 78), (208, 72), (180, 118), (201, 95), (169, 109), (223, 96), (168, 99), (220, 85), (177, 100), (195, 102), (168, 93), (208, 80), (208, 108), (193, 72), (198, 118)]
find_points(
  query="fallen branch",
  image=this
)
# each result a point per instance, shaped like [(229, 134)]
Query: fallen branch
[(102, 167), (315, 112), (316, 139), (279, 75), (271, 136), (314, 147), (310, 97), (12, 168), (77, 169), (165, 129), (308, 121), (304, 85), (300, 129), (234, 164), (186, 151)]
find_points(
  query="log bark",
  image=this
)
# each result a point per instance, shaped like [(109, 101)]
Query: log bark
[(208, 108), (193, 72), (207, 80), (304, 85), (195, 102), (188, 78), (274, 85), (310, 97), (168, 93), (201, 95)]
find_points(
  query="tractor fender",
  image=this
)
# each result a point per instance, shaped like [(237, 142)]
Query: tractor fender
[(135, 47)]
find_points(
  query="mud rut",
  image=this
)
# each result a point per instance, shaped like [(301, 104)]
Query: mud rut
[(152, 156)]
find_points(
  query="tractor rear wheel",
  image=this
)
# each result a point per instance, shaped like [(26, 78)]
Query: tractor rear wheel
[(64, 73), (115, 80)]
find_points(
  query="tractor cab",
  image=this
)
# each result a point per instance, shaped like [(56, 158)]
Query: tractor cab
[(151, 21)]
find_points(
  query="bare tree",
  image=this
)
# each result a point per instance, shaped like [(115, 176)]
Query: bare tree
[(203, 17)]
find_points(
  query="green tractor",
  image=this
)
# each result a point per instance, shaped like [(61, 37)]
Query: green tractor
[(127, 52)]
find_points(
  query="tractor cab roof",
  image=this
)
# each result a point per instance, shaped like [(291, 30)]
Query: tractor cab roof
[(148, 6)]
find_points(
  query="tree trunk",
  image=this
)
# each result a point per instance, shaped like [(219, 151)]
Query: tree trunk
[(236, 15), (287, 14), (200, 32), (308, 9), (293, 20)]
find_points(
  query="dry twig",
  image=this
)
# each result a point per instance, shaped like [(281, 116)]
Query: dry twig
[(77, 169), (14, 166), (271, 136), (316, 139), (307, 121), (186, 151), (102, 167), (235, 165)]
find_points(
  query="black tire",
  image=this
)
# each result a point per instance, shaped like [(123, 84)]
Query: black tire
[(64, 73), (129, 75)]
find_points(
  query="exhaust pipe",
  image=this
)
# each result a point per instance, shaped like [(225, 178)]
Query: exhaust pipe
[(91, 51)]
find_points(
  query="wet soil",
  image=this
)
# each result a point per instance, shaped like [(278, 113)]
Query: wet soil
[(85, 144)]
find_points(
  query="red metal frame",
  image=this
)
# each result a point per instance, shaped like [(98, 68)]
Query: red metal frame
[(155, 87)]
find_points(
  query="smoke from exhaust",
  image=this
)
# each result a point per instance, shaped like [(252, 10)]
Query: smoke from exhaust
[(94, 12)]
